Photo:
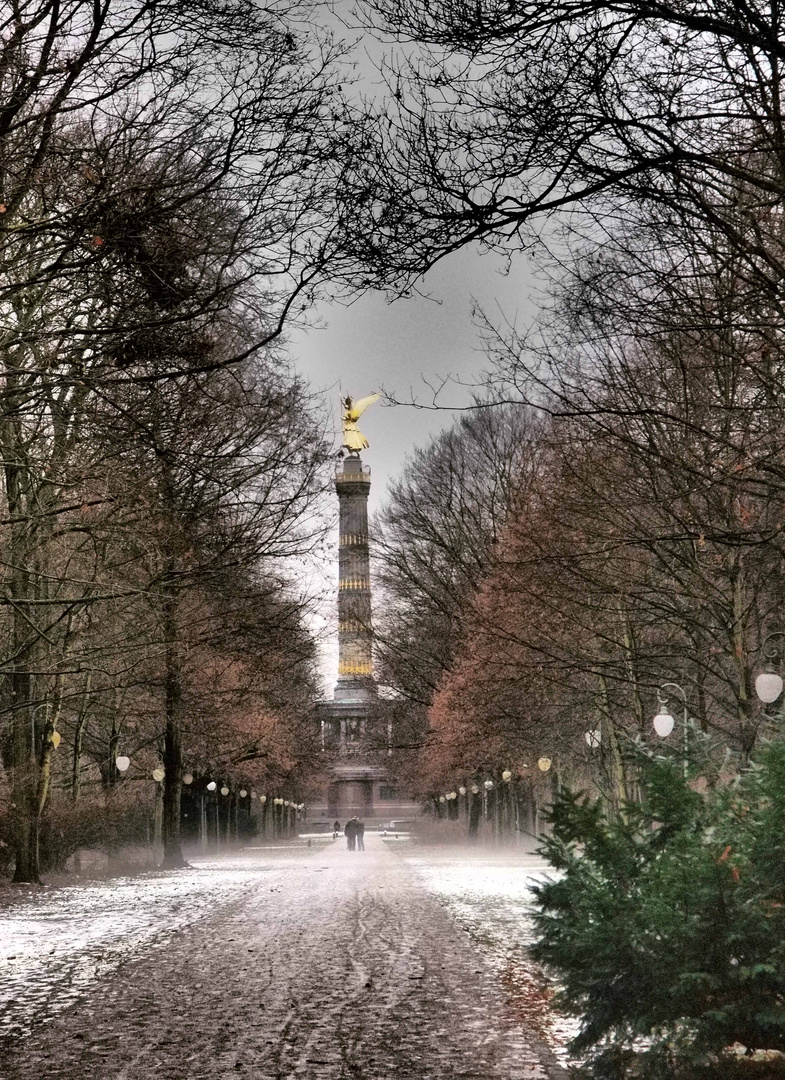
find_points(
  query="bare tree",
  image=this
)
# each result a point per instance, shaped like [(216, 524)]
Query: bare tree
[(650, 549), (435, 536), (500, 116), (228, 470), (164, 174)]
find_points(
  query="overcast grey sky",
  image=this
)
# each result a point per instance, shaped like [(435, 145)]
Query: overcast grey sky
[(373, 344)]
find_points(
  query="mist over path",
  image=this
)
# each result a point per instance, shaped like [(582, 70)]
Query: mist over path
[(316, 963)]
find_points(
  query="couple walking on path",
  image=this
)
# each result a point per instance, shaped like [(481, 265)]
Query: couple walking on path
[(354, 831)]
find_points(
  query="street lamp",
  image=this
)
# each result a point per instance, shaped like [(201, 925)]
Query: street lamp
[(768, 685), (593, 739), (212, 786), (188, 779), (663, 722), (158, 775), (123, 763)]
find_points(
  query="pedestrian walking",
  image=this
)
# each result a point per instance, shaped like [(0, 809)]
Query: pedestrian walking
[(360, 834), (336, 829), (350, 832)]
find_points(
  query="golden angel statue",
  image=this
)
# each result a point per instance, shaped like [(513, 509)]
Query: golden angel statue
[(353, 439)]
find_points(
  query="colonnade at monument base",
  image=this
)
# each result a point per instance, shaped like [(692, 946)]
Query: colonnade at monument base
[(362, 792), (355, 741)]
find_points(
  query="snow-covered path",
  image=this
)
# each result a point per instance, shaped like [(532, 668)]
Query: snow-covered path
[(488, 894), (58, 942), (322, 964)]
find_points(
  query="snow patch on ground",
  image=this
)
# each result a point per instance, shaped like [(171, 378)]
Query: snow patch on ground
[(488, 893), (55, 944)]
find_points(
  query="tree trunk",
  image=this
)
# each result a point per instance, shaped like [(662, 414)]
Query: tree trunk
[(747, 727), (24, 757), (631, 660), (25, 793), (617, 773), (24, 777), (76, 763), (173, 691)]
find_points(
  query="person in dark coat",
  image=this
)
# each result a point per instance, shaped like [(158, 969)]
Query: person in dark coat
[(350, 832), (336, 829), (360, 828)]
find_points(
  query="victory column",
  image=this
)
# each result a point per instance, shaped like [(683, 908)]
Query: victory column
[(358, 784)]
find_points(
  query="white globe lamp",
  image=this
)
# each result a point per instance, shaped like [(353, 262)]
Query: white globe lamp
[(768, 686), (663, 723)]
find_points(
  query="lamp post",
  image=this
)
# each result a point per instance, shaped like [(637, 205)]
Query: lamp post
[(158, 775), (489, 807), (663, 722), (210, 787), (768, 685), (475, 810)]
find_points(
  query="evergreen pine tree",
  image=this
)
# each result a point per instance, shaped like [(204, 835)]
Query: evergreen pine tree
[(665, 923)]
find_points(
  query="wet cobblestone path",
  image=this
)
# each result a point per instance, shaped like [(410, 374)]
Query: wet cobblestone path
[(320, 964)]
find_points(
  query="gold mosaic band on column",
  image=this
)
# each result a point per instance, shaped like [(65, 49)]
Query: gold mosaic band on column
[(354, 583), (345, 667)]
